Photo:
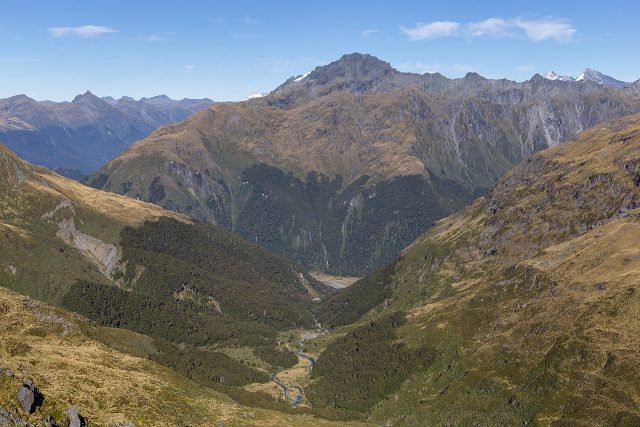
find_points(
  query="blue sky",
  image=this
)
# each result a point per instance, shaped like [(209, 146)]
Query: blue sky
[(229, 50)]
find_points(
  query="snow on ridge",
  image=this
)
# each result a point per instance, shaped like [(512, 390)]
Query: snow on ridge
[(299, 79), (554, 76), (256, 95)]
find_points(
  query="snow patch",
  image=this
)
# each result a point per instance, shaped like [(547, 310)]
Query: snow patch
[(257, 95), (302, 77)]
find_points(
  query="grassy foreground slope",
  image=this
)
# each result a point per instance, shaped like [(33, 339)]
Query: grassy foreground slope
[(525, 306), (50, 347)]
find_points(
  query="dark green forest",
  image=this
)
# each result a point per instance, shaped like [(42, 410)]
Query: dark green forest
[(344, 228), (363, 367)]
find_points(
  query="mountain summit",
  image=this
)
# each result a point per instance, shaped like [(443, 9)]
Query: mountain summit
[(588, 74), (600, 78), (344, 167)]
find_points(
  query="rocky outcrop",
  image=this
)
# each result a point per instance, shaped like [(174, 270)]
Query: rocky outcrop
[(29, 397), (104, 255)]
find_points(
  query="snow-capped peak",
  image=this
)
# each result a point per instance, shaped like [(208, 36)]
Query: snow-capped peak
[(603, 79), (589, 74), (299, 79), (554, 76)]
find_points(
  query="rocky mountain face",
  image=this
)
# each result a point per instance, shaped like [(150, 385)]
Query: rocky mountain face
[(78, 137), (525, 303), (342, 168)]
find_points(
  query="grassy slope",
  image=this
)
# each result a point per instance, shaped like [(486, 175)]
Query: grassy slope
[(528, 298), (106, 384)]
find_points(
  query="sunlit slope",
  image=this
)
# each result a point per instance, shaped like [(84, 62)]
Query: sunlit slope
[(51, 347), (528, 301)]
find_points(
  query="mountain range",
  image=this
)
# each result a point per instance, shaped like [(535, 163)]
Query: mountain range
[(76, 138), (589, 75), (520, 309), (342, 168)]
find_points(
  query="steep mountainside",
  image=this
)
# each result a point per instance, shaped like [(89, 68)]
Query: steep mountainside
[(80, 136), (522, 309), (190, 291), (342, 168)]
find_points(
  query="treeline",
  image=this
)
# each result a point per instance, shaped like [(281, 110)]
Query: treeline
[(365, 366)]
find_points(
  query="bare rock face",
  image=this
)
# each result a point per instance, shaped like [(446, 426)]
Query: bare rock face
[(75, 419), (29, 397)]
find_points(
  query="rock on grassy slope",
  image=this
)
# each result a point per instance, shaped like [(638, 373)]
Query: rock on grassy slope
[(523, 308), (342, 169)]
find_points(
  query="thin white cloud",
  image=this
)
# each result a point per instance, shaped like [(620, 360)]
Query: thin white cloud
[(154, 38), (367, 33), (189, 67), (250, 20), (492, 27), (547, 28), (431, 30), (83, 31), (535, 30), (525, 68), (463, 69)]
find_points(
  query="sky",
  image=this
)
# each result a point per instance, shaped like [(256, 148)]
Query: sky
[(228, 50)]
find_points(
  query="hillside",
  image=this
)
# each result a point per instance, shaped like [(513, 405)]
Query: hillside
[(58, 351), (342, 169), (189, 293), (78, 137), (522, 309)]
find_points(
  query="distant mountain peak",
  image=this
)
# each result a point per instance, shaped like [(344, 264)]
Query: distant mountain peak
[(87, 97), (555, 76), (600, 78), (360, 64), (589, 74)]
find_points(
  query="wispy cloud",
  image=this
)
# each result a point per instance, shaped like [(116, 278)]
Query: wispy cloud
[(431, 30), (155, 38), (189, 67), (525, 68), (545, 29), (218, 19), (367, 33), (250, 21), (535, 30), (492, 27), (83, 31)]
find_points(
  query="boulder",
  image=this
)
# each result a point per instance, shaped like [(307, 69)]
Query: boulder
[(75, 419), (29, 397)]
